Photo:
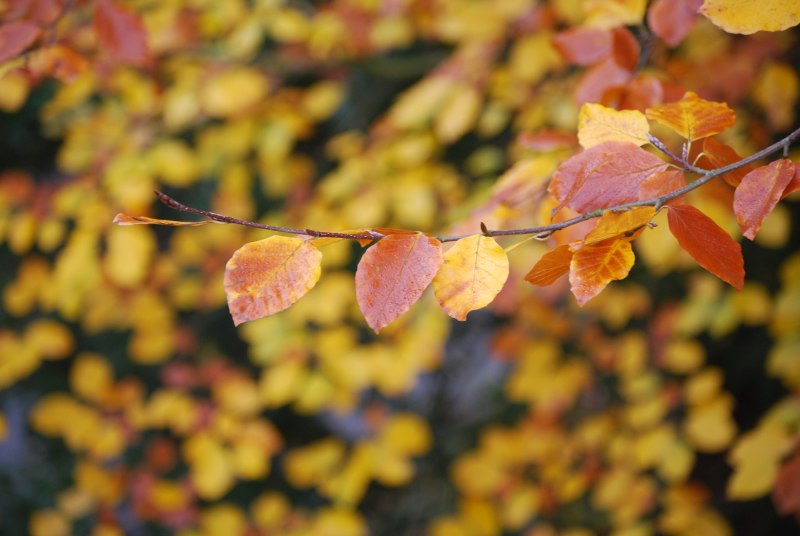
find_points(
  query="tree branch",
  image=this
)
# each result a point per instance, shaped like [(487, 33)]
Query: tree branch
[(542, 231)]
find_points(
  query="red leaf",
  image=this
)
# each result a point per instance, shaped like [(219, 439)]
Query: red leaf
[(602, 176), (594, 266), (626, 48), (15, 37), (759, 192), (716, 155), (794, 185), (672, 20), (121, 33), (662, 183), (786, 491), (550, 267), (583, 46), (393, 274), (707, 243), (600, 80)]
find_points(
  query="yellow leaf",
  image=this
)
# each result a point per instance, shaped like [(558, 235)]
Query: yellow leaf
[(129, 254), (474, 271), (223, 518), (616, 224), (458, 114), (269, 511), (338, 522), (264, 277), (598, 124), (232, 92), (776, 90), (50, 339), (91, 377), (747, 16), (49, 523), (406, 434), (210, 470), (752, 479), (710, 427), (613, 13)]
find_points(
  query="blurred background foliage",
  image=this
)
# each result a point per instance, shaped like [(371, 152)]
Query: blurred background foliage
[(129, 404)]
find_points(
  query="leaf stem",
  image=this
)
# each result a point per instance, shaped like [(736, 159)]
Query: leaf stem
[(542, 231)]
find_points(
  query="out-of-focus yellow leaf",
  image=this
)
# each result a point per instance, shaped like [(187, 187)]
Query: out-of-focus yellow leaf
[(598, 124), (746, 17), (14, 90), (683, 356), (458, 114), (91, 377), (223, 518), (232, 92), (338, 522), (211, 472), (473, 273), (710, 427), (49, 523), (129, 254), (50, 339), (613, 13)]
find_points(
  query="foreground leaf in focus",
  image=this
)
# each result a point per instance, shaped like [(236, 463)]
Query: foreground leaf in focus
[(759, 192), (264, 277), (707, 243), (692, 117), (598, 124), (603, 176), (594, 266), (551, 266), (393, 274), (474, 271)]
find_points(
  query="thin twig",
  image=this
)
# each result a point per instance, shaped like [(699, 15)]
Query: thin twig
[(542, 231)]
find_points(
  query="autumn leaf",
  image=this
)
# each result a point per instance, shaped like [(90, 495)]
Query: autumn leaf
[(786, 492), (614, 224), (551, 266), (672, 20), (125, 219), (759, 192), (707, 243), (121, 33), (747, 17), (600, 80), (662, 183), (264, 277), (602, 176), (473, 273), (692, 117), (15, 37), (594, 266), (717, 155), (393, 274), (598, 124), (583, 46)]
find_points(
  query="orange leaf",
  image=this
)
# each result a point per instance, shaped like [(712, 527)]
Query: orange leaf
[(474, 271), (662, 183), (125, 219), (672, 20), (603, 176), (121, 33), (707, 243), (598, 124), (594, 266), (583, 46), (614, 224), (759, 192), (264, 277), (716, 155), (747, 16), (550, 267), (393, 274), (693, 117), (15, 37)]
